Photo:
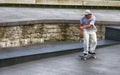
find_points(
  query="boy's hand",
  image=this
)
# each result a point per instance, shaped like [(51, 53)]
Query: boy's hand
[(81, 27), (81, 31)]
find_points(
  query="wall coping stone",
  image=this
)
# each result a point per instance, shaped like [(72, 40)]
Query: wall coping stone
[(29, 22)]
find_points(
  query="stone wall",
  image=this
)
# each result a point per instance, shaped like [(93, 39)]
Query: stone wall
[(18, 1), (12, 36), (66, 2)]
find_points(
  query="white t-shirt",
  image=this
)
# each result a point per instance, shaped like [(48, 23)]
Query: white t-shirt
[(85, 21)]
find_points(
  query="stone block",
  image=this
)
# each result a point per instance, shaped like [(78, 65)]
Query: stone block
[(112, 33), (37, 40), (18, 1), (24, 41), (2, 44), (26, 1), (8, 1)]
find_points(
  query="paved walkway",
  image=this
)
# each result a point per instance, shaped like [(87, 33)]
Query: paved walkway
[(13, 14), (107, 63)]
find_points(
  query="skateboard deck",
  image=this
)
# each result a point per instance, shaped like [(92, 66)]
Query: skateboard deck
[(85, 57)]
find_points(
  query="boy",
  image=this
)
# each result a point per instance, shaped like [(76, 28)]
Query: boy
[(89, 32)]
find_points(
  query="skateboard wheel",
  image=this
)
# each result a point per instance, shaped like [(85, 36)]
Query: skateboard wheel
[(95, 57), (84, 58)]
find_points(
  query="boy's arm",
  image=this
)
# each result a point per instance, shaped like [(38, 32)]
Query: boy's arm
[(86, 26), (81, 31)]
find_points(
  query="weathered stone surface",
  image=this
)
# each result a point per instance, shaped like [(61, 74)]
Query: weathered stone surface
[(20, 35), (67, 2), (26, 16), (18, 1)]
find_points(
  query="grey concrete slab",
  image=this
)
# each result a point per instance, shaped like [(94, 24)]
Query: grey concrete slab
[(17, 15), (12, 56), (114, 27), (51, 48), (107, 63)]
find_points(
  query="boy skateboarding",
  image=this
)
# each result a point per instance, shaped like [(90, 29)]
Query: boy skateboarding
[(88, 29)]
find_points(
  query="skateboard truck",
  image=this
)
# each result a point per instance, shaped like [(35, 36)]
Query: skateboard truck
[(84, 57)]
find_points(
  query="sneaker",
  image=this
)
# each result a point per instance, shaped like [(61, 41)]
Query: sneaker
[(89, 52), (85, 54), (93, 53)]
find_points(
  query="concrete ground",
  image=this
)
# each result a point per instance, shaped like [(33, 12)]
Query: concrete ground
[(12, 14), (106, 63)]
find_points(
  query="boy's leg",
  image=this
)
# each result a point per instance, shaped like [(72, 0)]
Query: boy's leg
[(86, 42), (93, 42)]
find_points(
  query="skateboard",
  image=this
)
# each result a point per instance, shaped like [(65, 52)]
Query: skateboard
[(85, 57)]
